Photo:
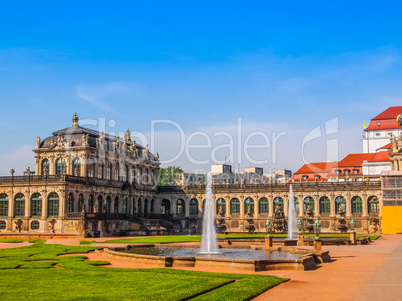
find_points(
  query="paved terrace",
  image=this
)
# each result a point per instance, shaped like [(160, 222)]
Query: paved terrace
[(367, 272)]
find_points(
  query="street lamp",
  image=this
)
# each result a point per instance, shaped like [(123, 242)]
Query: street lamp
[(352, 226), (317, 228), (300, 226), (268, 226)]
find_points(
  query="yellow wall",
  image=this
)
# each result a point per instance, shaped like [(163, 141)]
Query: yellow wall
[(391, 219)]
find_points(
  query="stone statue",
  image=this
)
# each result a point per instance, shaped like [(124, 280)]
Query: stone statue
[(221, 212), (18, 225), (52, 227), (37, 142)]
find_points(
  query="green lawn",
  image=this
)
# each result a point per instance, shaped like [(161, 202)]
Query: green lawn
[(37, 273)]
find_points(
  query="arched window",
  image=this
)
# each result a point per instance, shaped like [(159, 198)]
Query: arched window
[(116, 204), (139, 206), (19, 205), (77, 167), (125, 205), (70, 203), (165, 206), (45, 164), (146, 206), (263, 206), (278, 202), (109, 171), (152, 206), (133, 175), (125, 173), (117, 172), (357, 204), (139, 175), (108, 204), (53, 205), (340, 202), (145, 176), (297, 206), (249, 204), (101, 170), (325, 205), (36, 205), (80, 202), (234, 206), (373, 204), (60, 165), (308, 201), (193, 206), (91, 203), (181, 207), (100, 204), (3, 205), (220, 203), (91, 168)]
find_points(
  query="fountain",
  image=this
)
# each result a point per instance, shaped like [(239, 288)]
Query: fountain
[(251, 257), (292, 218), (209, 243)]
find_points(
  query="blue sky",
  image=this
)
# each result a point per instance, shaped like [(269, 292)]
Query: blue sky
[(287, 66)]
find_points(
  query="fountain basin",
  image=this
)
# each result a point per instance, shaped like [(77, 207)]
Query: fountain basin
[(298, 261)]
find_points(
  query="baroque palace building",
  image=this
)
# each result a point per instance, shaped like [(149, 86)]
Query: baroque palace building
[(88, 183)]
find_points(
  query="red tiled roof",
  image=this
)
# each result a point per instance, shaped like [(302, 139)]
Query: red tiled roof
[(386, 146), (318, 167), (387, 124), (386, 120), (390, 113), (380, 157), (355, 160)]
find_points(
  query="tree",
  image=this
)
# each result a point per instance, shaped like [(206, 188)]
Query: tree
[(169, 175)]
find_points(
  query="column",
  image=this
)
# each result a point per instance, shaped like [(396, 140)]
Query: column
[(10, 210), (44, 205), (62, 204), (365, 205), (316, 206), (52, 167), (332, 205), (186, 209), (286, 205), (37, 165), (271, 207), (348, 205), (83, 166), (241, 207), (27, 204)]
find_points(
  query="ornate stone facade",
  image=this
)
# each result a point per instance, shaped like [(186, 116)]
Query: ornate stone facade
[(360, 201), (90, 183)]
